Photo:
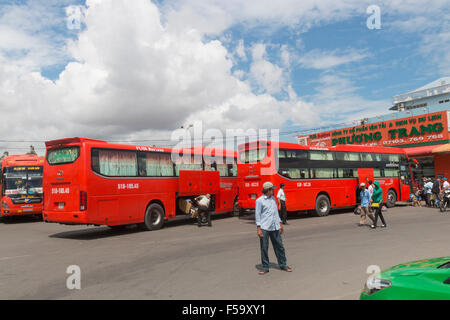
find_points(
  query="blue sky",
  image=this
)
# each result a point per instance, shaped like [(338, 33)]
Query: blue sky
[(290, 65)]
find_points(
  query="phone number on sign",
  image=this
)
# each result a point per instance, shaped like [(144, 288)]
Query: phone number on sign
[(413, 139)]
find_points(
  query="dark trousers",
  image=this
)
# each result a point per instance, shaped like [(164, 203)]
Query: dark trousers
[(277, 243), (378, 213), (204, 210), (428, 199), (283, 212)]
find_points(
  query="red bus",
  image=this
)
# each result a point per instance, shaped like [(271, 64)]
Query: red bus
[(89, 181), (21, 185), (320, 178)]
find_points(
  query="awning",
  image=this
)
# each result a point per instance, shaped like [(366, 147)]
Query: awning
[(421, 151), (442, 148)]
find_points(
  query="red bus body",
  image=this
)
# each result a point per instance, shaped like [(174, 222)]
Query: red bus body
[(309, 172), (83, 185), (21, 185)]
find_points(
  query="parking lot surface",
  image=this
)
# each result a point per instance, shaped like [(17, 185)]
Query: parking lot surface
[(329, 255)]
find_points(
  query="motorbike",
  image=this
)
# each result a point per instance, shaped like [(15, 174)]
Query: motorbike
[(445, 202)]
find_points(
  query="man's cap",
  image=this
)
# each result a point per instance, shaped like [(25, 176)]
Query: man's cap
[(268, 185), (445, 179), (362, 184)]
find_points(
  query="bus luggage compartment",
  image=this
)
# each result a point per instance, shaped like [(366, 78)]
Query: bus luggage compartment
[(198, 182)]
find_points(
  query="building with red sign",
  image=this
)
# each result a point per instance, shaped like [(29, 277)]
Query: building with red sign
[(421, 125)]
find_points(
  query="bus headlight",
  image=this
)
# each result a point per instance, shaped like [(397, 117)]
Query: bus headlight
[(5, 205), (373, 285)]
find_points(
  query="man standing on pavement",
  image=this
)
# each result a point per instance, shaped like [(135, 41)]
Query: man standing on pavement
[(268, 225), (365, 202), (427, 190), (436, 191), (282, 199)]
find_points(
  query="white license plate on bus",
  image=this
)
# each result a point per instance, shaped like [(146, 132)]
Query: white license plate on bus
[(60, 205), (27, 210)]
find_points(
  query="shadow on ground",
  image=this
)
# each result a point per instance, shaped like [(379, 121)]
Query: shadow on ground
[(93, 233)]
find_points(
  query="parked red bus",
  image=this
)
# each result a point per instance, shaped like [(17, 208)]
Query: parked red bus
[(21, 185), (89, 181), (320, 178)]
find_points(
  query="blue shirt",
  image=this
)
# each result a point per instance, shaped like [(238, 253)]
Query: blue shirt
[(365, 198), (266, 213)]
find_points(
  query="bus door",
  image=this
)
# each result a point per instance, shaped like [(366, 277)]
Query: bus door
[(364, 176), (406, 182)]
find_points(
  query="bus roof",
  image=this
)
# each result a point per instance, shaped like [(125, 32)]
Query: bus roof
[(22, 160), (195, 150), (70, 140), (348, 148)]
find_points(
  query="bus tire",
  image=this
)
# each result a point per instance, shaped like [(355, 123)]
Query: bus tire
[(323, 206), (154, 217), (391, 198)]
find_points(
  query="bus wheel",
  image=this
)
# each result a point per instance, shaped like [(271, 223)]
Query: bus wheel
[(154, 217), (323, 205), (391, 198)]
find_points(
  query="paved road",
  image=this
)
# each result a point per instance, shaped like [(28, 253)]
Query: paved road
[(329, 256)]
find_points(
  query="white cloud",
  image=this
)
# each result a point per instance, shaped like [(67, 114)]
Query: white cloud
[(135, 77), (338, 100), (318, 59), (267, 76)]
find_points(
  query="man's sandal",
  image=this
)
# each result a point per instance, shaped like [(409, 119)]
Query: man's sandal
[(287, 269)]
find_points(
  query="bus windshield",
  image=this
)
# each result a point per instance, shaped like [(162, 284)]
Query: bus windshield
[(22, 180), (254, 155)]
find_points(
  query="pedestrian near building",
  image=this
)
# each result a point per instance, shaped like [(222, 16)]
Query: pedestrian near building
[(268, 225), (445, 184), (428, 186), (436, 192), (377, 203), (282, 200), (365, 202), (370, 188)]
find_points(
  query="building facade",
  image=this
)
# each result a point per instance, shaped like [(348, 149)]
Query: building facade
[(421, 125)]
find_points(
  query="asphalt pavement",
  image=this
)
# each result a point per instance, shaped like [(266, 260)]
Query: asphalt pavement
[(330, 256)]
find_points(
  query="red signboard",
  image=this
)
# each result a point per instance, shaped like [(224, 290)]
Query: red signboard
[(432, 128)]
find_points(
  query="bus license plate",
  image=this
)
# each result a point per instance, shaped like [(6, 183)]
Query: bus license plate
[(27, 210), (61, 205)]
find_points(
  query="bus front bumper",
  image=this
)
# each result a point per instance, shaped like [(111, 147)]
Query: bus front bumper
[(21, 211)]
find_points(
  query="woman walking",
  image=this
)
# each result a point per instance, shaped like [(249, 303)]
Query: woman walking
[(377, 203)]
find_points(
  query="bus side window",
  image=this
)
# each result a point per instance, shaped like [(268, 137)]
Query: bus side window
[(94, 160), (142, 164)]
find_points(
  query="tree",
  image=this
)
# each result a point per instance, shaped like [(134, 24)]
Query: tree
[(5, 154), (32, 151)]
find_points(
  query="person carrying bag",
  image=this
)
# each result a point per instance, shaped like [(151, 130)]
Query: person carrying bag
[(377, 204)]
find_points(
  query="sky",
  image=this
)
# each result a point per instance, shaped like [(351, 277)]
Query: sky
[(135, 71)]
